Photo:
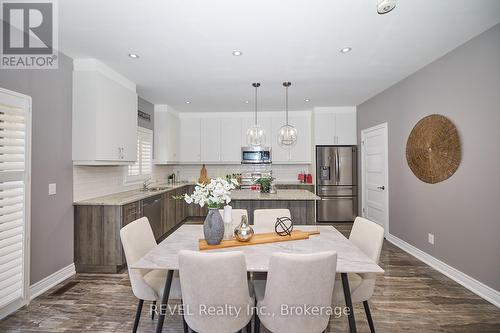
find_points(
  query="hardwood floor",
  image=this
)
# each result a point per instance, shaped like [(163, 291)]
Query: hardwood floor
[(409, 297)]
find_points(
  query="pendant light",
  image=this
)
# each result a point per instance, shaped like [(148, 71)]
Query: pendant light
[(287, 135), (256, 135)]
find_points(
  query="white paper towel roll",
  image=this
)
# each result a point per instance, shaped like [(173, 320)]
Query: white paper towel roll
[(228, 217)]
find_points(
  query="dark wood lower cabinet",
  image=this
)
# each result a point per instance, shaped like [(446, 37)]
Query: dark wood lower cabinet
[(97, 244), (302, 212)]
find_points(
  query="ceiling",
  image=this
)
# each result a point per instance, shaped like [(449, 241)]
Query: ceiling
[(185, 46)]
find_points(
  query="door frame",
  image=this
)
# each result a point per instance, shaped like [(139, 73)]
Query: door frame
[(15, 305), (385, 128)]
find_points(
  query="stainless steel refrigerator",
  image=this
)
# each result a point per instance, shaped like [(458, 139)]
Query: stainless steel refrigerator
[(336, 183)]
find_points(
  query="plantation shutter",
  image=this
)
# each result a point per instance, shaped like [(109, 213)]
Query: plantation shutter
[(14, 183), (143, 166)]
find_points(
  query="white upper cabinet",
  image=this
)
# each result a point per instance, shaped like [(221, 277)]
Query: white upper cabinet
[(104, 115), (335, 126), (231, 129), (302, 151), (210, 140), (166, 135), (190, 139), (217, 138), (345, 127)]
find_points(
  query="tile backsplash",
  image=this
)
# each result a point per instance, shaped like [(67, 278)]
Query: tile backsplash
[(94, 181)]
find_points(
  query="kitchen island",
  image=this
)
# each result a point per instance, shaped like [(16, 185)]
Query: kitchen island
[(301, 203)]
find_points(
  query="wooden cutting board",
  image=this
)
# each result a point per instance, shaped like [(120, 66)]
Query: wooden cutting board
[(270, 237)]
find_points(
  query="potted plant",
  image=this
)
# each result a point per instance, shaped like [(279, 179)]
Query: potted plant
[(265, 184), (214, 195)]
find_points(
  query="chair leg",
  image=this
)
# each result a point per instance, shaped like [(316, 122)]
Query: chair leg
[(138, 315), (153, 312), (369, 316), (256, 328), (185, 325)]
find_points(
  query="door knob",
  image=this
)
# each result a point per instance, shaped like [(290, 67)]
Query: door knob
[(381, 187)]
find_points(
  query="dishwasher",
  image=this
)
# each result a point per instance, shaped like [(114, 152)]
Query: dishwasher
[(151, 208)]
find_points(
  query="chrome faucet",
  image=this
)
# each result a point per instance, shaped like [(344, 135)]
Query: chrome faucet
[(146, 183)]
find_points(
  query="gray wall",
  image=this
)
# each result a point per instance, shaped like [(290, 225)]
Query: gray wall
[(51, 216), (462, 211), (148, 108)]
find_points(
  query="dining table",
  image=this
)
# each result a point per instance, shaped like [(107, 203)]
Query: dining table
[(350, 259)]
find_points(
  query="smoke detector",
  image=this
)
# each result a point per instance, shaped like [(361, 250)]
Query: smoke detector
[(385, 6)]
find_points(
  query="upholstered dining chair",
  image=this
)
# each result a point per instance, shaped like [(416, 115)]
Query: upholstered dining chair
[(236, 215), (218, 280), (147, 285), (369, 237), (296, 280), (266, 218)]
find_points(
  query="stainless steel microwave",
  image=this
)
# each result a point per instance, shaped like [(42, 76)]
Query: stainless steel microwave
[(256, 155)]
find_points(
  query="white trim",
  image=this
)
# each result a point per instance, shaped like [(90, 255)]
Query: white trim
[(50, 281), (92, 64), (11, 308), (385, 127), (489, 294)]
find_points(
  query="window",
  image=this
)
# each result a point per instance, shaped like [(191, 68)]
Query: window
[(14, 198), (143, 165)]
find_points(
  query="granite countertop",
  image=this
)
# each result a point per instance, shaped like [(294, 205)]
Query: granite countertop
[(285, 195), (123, 198)]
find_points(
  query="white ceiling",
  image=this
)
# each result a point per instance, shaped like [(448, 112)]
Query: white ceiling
[(185, 46)]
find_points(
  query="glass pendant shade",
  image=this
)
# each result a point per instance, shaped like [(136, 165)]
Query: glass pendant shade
[(256, 136), (287, 136)]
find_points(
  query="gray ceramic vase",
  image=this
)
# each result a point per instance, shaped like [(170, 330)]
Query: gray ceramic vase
[(213, 227)]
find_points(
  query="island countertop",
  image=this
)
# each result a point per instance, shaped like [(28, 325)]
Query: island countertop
[(280, 195)]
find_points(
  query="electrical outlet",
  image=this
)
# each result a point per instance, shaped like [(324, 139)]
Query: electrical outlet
[(431, 239), (52, 189)]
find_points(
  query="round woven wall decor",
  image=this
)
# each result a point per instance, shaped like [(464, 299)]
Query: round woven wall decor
[(433, 149)]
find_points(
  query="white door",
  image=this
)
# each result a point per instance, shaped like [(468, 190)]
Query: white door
[(231, 140), (374, 175), (15, 133), (210, 140)]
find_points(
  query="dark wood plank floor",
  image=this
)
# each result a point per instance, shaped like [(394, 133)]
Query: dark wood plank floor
[(409, 297)]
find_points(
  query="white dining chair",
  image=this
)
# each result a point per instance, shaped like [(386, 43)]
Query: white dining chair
[(265, 219), (369, 237), (305, 280), (147, 285), (236, 215), (215, 279)]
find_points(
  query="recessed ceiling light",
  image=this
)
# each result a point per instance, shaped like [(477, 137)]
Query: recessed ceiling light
[(188, 102), (237, 53), (345, 50), (306, 99), (133, 55), (246, 102)]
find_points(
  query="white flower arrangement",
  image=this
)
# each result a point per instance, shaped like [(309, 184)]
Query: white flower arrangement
[(214, 194)]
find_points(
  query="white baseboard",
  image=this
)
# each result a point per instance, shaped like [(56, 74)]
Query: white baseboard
[(489, 294), (50, 281)]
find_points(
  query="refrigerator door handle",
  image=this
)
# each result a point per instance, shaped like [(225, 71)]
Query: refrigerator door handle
[(337, 165)]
